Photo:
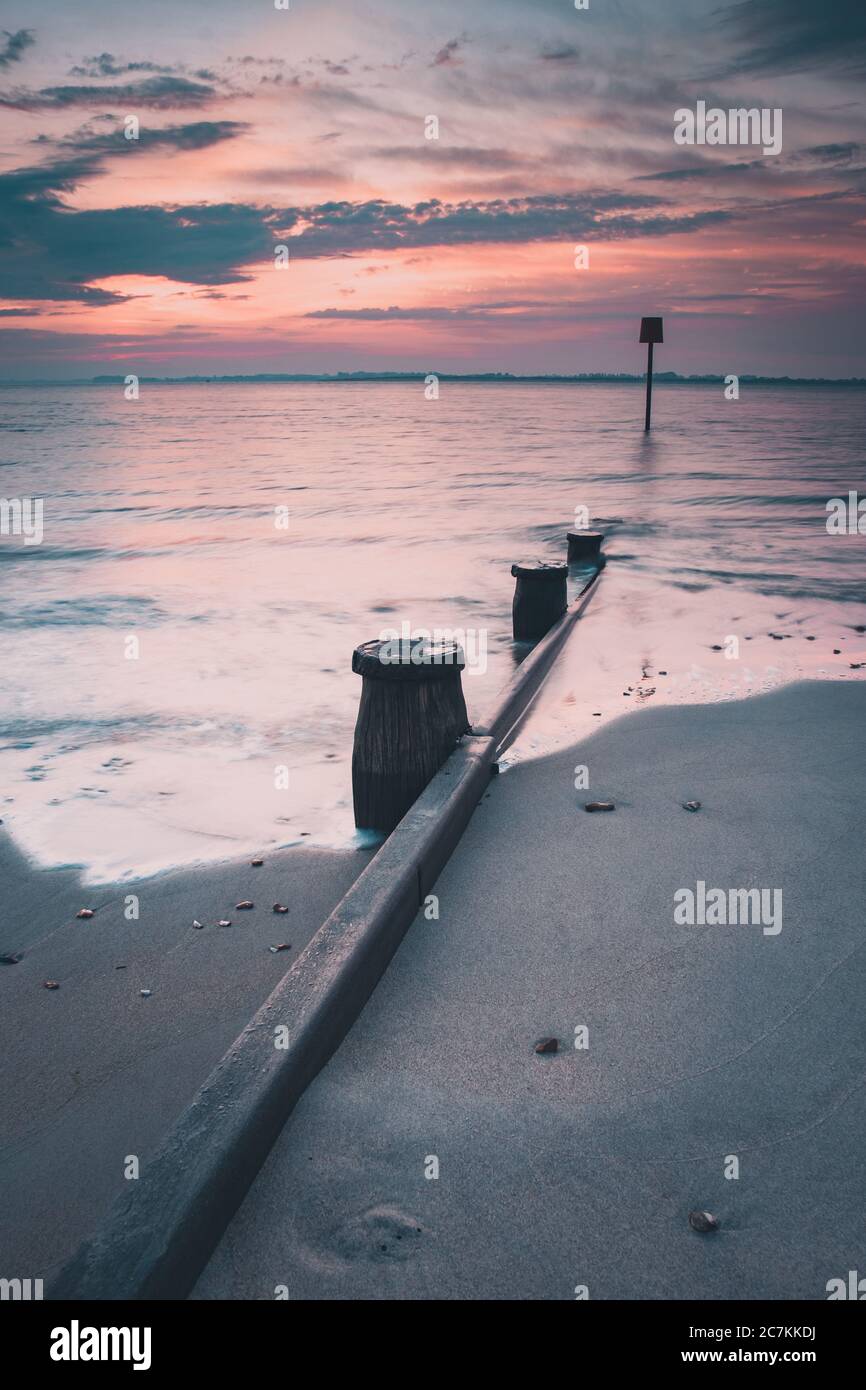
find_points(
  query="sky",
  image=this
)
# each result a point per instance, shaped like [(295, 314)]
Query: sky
[(308, 128)]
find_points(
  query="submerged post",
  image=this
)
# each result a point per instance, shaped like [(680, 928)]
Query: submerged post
[(584, 547), (412, 713), (540, 598), (651, 332)]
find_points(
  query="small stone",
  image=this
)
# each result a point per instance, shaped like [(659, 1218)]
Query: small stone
[(11, 959), (257, 863), (691, 805), (278, 907), (283, 946), (120, 967), (197, 925), (855, 665), (716, 648), (837, 651), (244, 906), (547, 1045), (224, 922), (85, 912), (662, 673), (145, 993), (599, 806), (810, 639), (50, 984), (703, 1221)]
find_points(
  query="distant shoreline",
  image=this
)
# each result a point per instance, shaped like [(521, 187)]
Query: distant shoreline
[(475, 378)]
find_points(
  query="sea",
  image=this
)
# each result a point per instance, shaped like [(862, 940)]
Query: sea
[(176, 633)]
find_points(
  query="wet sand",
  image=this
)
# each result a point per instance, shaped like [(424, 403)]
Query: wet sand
[(93, 1072), (704, 1042)]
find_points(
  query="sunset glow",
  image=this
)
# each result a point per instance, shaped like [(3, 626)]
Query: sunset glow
[(455, 253)]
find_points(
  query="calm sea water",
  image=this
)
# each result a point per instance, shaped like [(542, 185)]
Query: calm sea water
[(160, 525)]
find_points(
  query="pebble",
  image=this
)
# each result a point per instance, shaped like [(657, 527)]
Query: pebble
[(145, 993), (257, 863), (662, 673), (278, 907), (703, 1221), (716, 648), (85, 912), (244, 906), (599, 806), (547, 1045), (197, 925), (283, 946), (224, 922), (50, 984), (837, 651), (11, 959), (691, 805)]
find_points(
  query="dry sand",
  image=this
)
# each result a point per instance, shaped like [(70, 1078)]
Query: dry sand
[(704, 1042), (93, 1072)]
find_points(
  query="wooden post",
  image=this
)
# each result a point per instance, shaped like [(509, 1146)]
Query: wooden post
[(584, 547), (412, 713), (540, 598), (651, 332)]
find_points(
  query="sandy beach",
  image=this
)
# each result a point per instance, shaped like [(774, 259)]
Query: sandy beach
[(94, 1071), (578, 1171)]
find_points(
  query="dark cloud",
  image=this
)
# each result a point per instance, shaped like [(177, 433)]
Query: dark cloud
[(822, 161), (55, 252), (560, 53), (447, 55), (106, 65), (194, 135), (160, 93), (836, 154), (795, 35), (393, 312), (52, 252), (13, 45), (709, 169), (278, 175), (464, 156), (342, 228)]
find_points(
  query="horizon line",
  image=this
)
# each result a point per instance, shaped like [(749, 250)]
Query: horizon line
[(621, 378)]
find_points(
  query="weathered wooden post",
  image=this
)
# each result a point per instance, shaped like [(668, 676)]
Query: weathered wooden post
[(584, 547), (540, 598), (412, 713)]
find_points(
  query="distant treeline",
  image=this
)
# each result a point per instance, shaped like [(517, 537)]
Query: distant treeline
[(616, 378)]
